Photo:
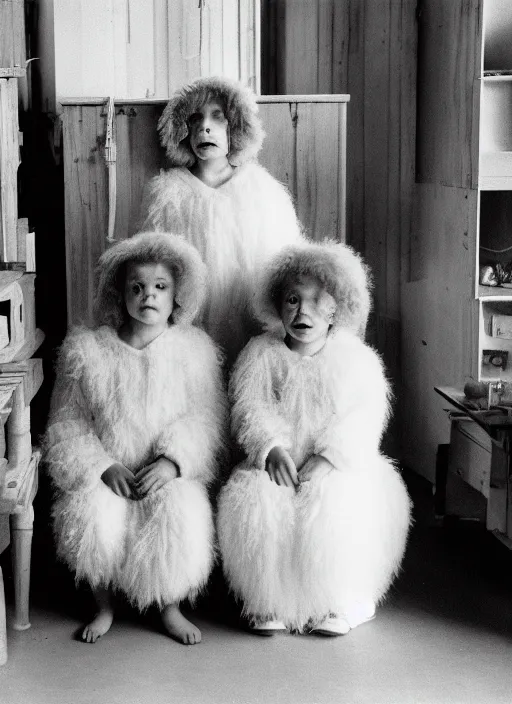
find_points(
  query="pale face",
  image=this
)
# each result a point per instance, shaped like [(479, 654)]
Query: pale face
[(208, 132), (307, 311), (149, 294)]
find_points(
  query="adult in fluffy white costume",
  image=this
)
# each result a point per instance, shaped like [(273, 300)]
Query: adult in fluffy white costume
[(135, 428), (220, 199), (313, 526)]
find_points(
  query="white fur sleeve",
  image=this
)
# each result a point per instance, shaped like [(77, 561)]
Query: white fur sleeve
[(74, 454), (167, 204), (282, 226), (196, 439), (255, 419), (352, 439)]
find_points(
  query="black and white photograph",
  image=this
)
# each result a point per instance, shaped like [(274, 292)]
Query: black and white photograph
[(255, 339)]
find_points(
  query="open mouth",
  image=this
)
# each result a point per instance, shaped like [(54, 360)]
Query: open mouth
[(204, 145), (301, 326)]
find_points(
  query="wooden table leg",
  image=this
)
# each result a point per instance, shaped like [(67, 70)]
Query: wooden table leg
[(3, 631), (22, 528)]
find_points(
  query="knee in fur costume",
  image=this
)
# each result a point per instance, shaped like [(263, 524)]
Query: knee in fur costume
[(330, 547), (116, 404), (335, 544)]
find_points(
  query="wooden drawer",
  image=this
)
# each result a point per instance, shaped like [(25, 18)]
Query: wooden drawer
[(470, 454)]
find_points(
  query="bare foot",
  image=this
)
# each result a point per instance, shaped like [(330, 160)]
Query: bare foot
[(178, 627), (99, 625), (104, 616)]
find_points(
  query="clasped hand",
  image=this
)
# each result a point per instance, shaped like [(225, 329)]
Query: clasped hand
[(145, 482), (282, 470)]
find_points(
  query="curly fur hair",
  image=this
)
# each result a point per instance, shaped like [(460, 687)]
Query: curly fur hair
[(240, 108), (336, 266), (183, 260)]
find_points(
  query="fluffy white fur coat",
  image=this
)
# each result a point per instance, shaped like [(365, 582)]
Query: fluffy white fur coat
[(335, 545), (236, 228), (114, 403)]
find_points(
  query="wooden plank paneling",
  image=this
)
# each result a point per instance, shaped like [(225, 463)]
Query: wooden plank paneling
[(249, 42), (12, 33), (183, 42), (449, 91), (160, 28), (140, 55), (439, 317), (353, 57), (318, 169), (139, 158), (278, 153), (229, 28), (301, 45), (306, 150), (9, 162), (148, 48), (85, 191), (324, 71), (377, 152), (366, 48)]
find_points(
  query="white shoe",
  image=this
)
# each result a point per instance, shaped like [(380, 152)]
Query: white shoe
[(332, 626), (360, 613), (267, 627)]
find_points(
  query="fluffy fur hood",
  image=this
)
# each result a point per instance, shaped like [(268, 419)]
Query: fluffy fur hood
[(188, 271), (239, 105), (337, 266)]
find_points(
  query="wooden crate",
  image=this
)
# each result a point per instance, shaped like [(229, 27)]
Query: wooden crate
[(12, 37), (18, 304)]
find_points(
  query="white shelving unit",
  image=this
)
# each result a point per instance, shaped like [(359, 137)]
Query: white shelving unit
[(494, 231)]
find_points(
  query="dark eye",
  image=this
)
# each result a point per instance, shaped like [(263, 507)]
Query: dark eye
[(161, 287), (136, 288), (292, 299), (195, 117)]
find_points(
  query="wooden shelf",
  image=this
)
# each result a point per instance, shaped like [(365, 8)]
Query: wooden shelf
[(13, 72), (494, 293), (504, 78), (495, 172)]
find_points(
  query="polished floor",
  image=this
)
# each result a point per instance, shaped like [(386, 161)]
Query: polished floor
[(444, 636)]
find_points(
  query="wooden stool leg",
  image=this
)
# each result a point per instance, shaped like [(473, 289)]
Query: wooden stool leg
[(22, 528), (3, 631)]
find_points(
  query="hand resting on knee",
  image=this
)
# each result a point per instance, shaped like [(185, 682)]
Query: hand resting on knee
[(281, 468)]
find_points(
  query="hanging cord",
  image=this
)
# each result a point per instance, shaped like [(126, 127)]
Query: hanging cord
[(110, 158), (496, 251)]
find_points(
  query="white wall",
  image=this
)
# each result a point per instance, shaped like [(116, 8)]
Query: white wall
[(146, 48), (498, 34)]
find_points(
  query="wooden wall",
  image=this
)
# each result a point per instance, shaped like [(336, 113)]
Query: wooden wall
[(146, 48), (12, 71), (440, 312), (305, 148), (12, 34), (9, 161), (366, 48)]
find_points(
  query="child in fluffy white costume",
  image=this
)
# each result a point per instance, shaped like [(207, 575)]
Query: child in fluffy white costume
[(220, 199), (316, 539), (134, 433)]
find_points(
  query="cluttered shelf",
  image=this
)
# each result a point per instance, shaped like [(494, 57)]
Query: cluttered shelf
[(484, 467), (488, 404)]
